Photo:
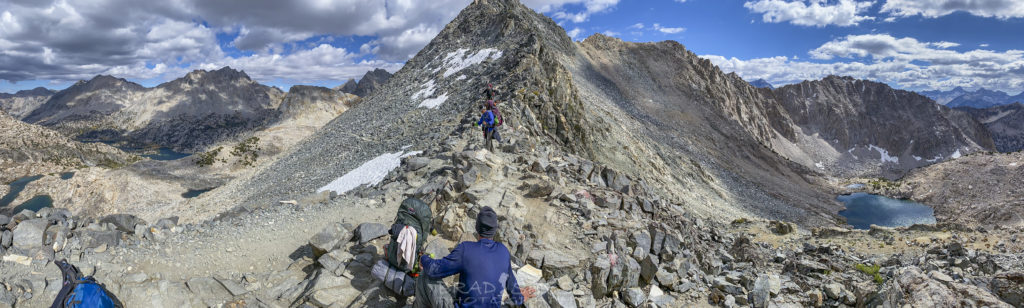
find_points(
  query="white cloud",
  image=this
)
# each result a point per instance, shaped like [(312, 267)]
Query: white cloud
[(983, 45), (901, 62), (557, 8), (574, 33), (637, 26), (611, 33), (817, 13), (72, 39), (884, 46), (944, 44), (1002, 9), (668, 30)]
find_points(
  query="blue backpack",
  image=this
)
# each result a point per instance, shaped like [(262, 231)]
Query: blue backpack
[(78, 291)]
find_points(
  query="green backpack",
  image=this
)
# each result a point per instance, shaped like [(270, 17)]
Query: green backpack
[(416, 214)]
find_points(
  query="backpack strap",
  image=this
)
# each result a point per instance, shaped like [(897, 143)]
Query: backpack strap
[(72, 276)]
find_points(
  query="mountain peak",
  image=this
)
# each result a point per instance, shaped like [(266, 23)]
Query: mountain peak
[(761, 83)]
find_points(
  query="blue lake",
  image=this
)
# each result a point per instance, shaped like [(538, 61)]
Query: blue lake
[(166, 154), (16, 187), (192, 193), (67, 175), (863, 210), (35, 204)]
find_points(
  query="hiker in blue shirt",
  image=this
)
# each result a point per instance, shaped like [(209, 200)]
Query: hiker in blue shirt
[(484, 268), (489, 122)]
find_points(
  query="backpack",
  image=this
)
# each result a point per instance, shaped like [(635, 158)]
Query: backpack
[(78, 291), (416, 214), (498, 119)]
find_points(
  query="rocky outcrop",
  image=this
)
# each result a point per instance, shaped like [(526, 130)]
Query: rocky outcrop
[(367, 84), (370, 82), (22, 103), (1005, 123), (982, 188), (348, 87), (852, 127), (314, 104), (184, 114), (27, 149)]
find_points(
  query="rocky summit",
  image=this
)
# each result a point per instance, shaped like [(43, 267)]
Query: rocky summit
[(629, 175)]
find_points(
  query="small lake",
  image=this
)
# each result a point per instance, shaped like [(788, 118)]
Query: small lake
[(16, 187), (192, 193), (35, 204), (166, 154), (863, 210), (67, 175)]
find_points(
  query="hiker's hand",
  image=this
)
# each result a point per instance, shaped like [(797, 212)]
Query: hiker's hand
[(528, 293)]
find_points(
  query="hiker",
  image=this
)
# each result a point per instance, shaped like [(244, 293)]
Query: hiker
[(484, 268), (490, 92), (488, 124)]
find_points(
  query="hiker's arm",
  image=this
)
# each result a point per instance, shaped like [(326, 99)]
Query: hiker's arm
[(512, 287), (444, 267)]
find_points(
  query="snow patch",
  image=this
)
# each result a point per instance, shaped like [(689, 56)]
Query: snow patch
[(461, 77), (434, 102), (460, 59), (427, 89), (955, 154), (937, 158), (819, 165), (369, 173), (851, 152), (917, 158), (885, 155)]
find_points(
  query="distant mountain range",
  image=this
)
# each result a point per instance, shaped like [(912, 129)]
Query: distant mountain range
[(761, 83), (1005, 122), (185, 114), (981, 98)]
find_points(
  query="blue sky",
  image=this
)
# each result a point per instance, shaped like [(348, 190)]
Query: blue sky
[(911, 44)]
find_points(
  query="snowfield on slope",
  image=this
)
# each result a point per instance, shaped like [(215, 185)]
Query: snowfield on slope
[(458, 60), (369, 173)]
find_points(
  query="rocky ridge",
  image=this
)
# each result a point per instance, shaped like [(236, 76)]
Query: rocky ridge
[(368, 83), (152, 189), (27, 149), (21, 103), (845, 128), (183, 114), (1005, 123)]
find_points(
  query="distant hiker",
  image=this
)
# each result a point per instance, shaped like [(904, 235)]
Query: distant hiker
[(78, 291), (484, 268), (487, 123), (490, 92)]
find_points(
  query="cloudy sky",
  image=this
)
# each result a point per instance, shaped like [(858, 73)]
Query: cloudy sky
[(911, 44)]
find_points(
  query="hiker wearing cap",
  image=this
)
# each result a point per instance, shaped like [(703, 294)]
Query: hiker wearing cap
[(484, 268)]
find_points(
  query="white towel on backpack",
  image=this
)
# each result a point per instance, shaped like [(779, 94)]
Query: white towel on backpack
[(407, 245)]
